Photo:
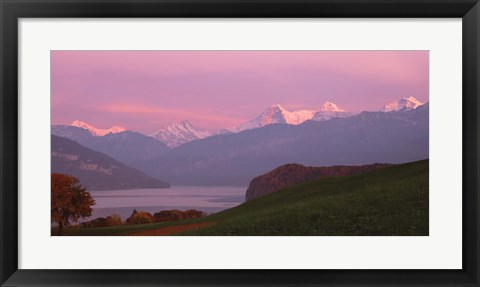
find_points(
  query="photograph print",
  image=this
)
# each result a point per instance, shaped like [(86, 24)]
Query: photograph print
[(239, 143)]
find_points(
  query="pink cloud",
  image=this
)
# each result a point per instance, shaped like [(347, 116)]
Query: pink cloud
[(145, 90), (154, 114)]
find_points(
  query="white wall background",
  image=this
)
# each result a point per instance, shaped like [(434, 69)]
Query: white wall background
[(442, 249)]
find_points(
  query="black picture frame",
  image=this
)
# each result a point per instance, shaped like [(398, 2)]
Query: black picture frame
[(12, 10)]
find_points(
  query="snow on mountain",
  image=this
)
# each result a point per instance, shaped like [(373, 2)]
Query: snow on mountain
[(405, 103), (179, 133), (329, 111), (97, 132), (276, 114), (303, 115)]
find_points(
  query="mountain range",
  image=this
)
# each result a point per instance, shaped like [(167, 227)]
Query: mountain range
[(182, 155), (181, 132), (96, 170), (234, 159)]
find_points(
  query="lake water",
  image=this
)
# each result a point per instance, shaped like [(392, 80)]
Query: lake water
[(207, 199)]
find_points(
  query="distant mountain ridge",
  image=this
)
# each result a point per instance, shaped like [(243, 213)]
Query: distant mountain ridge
[(181, 132), (97, 171), (234, 159)]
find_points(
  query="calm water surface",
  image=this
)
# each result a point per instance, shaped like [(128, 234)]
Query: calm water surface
[(207, 199)]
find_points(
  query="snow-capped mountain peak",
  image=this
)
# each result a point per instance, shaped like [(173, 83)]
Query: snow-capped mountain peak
[(180, 125), (277, 107), (329, 111), (405, 103), (275, 114), (95, 131), (330, 107), (178, 133)]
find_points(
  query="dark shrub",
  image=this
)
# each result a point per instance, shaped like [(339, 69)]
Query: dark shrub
[(114, 220), (168, 215), (140, 217), (192, 213)]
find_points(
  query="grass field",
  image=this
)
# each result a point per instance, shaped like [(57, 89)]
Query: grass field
[(389, 201)]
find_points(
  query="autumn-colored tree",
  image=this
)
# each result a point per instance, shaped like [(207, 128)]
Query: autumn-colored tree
[(70, 200)]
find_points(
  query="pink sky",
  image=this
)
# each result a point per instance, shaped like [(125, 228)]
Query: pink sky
[(146, 90)]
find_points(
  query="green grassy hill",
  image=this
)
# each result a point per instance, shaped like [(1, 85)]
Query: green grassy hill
[(388, 201)]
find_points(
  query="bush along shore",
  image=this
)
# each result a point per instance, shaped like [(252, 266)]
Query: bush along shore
[(136, 218)]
